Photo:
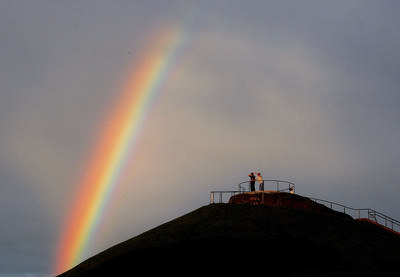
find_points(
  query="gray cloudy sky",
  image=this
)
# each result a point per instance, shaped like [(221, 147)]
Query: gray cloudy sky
[(305, 91)]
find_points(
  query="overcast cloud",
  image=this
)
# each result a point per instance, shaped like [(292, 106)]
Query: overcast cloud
[(305, 91)]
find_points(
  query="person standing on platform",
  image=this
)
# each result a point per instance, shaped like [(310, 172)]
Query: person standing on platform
[(260, 181), (252, 181)]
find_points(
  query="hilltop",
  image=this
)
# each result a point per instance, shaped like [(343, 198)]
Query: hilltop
[(249, 239)]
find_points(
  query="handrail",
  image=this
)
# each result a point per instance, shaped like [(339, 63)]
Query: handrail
[(278, 183), (332, 206), (371, 214), (221, 195)]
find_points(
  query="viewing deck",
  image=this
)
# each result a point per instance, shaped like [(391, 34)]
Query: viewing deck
[(284, 200)]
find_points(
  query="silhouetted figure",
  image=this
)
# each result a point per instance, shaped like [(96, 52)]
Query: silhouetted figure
[(260, 181), (252, 181)]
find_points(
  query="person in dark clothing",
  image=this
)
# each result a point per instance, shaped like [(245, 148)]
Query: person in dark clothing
[(252, 181)]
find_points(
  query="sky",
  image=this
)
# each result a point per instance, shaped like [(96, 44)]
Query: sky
[(304, 91)]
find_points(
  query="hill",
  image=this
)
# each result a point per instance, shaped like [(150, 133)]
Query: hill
[(249, 239)]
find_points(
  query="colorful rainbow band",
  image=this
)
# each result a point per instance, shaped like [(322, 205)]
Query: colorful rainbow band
[(115, 147)]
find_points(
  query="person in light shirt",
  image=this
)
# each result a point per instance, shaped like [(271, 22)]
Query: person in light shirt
[(260, 181)]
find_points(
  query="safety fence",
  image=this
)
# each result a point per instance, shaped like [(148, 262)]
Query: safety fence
[(270, 185), (218, 197)]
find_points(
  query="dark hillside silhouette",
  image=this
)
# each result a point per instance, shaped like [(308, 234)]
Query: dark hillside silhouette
[(246, 239)]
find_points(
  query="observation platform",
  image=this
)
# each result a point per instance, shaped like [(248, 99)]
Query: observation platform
[(284, 200)]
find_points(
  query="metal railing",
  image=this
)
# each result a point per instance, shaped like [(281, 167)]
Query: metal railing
[(218, 197), (275, 185), (366, 213), (271, 185)]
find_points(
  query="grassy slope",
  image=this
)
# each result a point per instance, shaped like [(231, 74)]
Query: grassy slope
[(229, 238)]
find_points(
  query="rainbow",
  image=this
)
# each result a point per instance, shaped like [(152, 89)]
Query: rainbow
[(114, 148)]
